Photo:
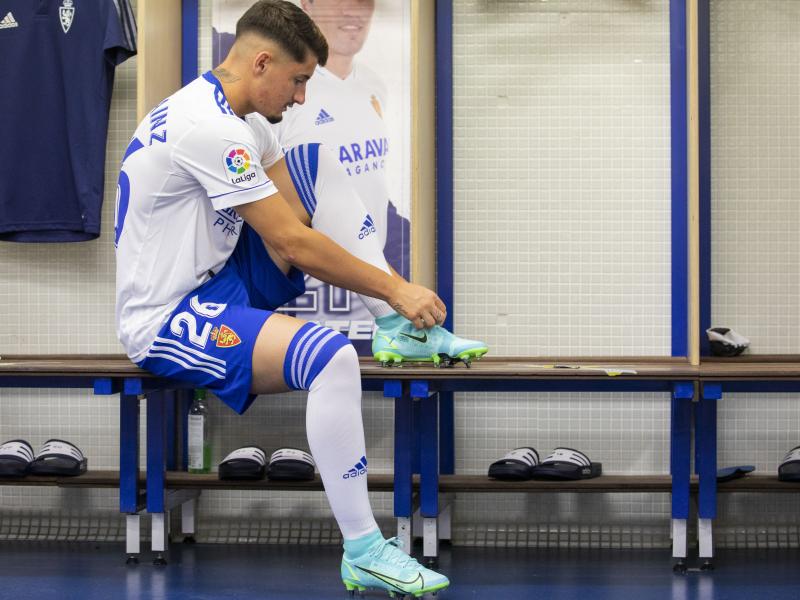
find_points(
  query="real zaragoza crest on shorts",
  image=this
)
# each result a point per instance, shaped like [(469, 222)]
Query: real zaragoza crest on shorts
[(67, 14), (225, 336)]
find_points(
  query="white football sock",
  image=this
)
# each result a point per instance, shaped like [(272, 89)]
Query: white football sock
[(326, 364)]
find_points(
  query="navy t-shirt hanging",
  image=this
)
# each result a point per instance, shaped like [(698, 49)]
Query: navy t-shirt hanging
[(57, 61)]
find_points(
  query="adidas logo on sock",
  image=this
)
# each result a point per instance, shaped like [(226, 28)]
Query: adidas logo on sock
[(323, 117), (8, 22), (367, 227), (360, 468)]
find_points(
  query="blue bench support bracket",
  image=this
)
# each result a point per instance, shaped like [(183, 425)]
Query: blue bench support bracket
[(447, 445), (429, 448), (156, 451), (429, 467), (706, 444), (680, 463), (184, 404), (156, 470), (172, 429), (128, 453), (129, 493)]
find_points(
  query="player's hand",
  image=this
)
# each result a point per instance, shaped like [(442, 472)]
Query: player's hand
[(419, 305)]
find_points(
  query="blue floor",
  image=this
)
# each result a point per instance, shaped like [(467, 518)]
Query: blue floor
[(86, 571)]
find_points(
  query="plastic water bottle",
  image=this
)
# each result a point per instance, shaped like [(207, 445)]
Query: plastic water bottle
[(199, 441)]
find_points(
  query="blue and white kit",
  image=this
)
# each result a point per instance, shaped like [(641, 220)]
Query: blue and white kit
[(183, 308)]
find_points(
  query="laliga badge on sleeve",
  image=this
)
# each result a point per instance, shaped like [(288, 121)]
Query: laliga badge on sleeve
[(239, 165)]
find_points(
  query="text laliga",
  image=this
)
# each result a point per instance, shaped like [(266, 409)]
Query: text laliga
[(243, 178)]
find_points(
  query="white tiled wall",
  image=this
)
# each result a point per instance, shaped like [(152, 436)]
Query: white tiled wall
[(562, 176), (562, 247), (755, 198), (755, 104)]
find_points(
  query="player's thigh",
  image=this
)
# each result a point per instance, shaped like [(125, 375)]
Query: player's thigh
[(269, 353)]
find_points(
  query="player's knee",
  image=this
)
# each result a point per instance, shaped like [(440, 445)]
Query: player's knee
[(345, 361), (312, 349)]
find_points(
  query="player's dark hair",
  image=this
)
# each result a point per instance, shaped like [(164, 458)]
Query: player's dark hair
[(286, 24)]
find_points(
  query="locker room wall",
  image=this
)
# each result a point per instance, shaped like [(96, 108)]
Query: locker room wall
[(755, 202), (562, 247)]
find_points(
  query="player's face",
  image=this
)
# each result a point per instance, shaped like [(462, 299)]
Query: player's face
[(282, 85), (344, 23)]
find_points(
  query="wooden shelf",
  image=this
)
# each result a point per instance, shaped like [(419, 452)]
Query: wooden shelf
[(447, 483)]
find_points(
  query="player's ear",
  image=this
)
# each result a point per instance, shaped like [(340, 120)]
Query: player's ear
[(262, 61)]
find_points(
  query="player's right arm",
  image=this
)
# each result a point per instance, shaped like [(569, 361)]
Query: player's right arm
[(315, 254), (223, 155)]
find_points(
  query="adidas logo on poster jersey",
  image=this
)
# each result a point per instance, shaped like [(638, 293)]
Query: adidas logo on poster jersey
[(367, 227), (9, 21), (360, 468), (323, 117)]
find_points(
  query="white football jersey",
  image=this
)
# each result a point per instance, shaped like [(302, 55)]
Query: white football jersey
[(347, 116), (190, 162)]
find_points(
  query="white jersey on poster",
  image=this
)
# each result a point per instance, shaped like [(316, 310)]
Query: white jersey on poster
[(347, 115)]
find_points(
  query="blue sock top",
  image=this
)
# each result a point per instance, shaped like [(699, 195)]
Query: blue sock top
[(359, 546)]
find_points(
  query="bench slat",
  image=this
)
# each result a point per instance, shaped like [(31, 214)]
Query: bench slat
[(447, 483)]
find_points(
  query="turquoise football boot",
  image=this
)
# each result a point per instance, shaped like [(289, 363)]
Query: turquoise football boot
[(384, 566), (397, 340)]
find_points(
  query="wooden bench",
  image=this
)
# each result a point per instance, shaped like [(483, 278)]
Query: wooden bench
[(425, 385)]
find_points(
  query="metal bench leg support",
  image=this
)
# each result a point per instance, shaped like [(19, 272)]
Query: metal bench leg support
[(129, 473), (429, 470), (706, 443), (680, 464), (403, 508), (447, 459), (156, 473), (187, 521)]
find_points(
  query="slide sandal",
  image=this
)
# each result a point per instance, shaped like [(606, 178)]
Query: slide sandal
[(516, 465), (58, 457), (566, 463), (290, 464), (789, 469), (15, 458), (248, 463), (728, 473)]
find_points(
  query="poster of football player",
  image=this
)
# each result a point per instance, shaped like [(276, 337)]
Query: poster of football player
[(359, 105)]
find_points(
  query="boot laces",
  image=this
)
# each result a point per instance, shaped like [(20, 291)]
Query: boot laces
[(391, 551)]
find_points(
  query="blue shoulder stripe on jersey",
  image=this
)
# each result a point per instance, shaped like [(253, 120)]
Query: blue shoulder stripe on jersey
[(302, 162), (219, 94), (297, 180), (313, 162)]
